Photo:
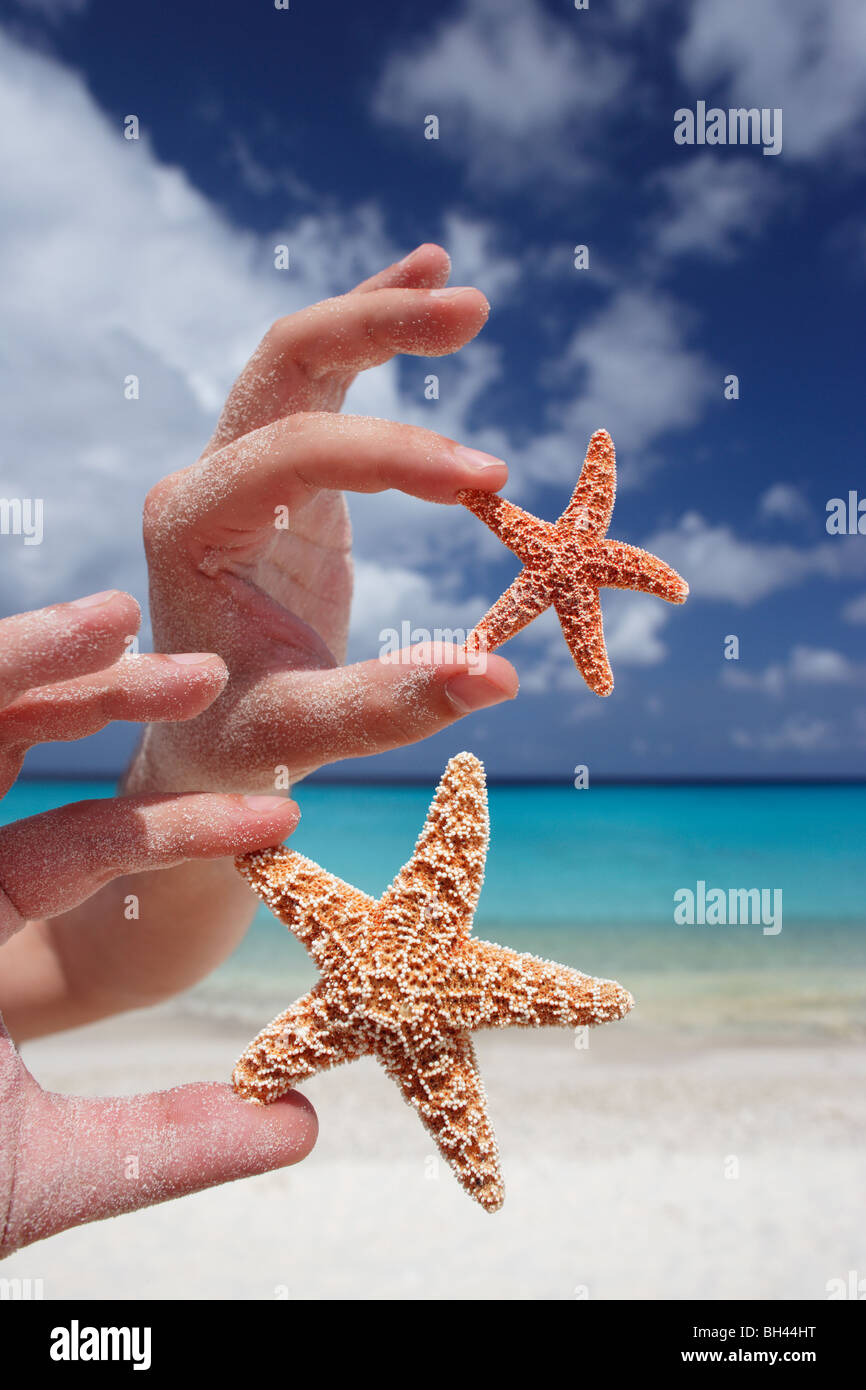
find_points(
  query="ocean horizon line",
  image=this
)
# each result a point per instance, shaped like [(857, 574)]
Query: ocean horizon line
[(424, 780)]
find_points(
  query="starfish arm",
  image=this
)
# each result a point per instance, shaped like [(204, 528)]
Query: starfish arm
[(523, 991), (524, 534), (591, 505), (300, 1042), (620, 566), (434, 896), (582, 627), (322, 911), (440, 1079), (523, 600)]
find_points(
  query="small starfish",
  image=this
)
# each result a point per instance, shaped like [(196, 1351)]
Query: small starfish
[(404, 980), (566, 562)]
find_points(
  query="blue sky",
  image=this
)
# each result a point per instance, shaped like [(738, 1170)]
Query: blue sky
[(556, 128)]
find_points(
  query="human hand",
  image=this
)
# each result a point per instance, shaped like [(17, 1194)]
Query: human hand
[(63, 675), (275, 602), (65, 1160)]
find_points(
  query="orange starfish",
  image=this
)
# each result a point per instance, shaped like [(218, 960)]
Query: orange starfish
[(566, 562), (403, 979)]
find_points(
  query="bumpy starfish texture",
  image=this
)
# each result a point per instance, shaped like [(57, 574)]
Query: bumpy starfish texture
[(404, 979), (565, 563)]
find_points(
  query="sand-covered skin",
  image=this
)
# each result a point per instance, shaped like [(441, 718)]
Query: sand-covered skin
[(249, 549), (617, 1158)]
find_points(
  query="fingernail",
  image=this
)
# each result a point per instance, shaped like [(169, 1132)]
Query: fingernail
[(449, 292), (474, 458), (264, 803), (410, 255), (191, 658), (467, 692), (94, 600)]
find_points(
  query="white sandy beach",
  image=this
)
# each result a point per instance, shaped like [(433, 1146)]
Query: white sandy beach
[(615, 1163)]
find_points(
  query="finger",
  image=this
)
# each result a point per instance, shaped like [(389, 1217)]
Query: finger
[(372, 707), (63, 640), (140, 688), (427, 267), (352, 332), (53, 861), (307, 360), (284, 464), (80, 1160)]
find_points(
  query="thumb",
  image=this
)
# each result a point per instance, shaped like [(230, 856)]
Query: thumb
[(82, 1160), (372, 707)]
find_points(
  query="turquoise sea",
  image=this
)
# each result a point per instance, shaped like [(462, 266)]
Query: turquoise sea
[(588, 877)]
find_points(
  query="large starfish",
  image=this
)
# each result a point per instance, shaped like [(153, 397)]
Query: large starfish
[(566, 562), (404, 979)]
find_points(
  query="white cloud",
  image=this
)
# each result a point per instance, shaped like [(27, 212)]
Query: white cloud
[(806, 56), (712, 206), (770, 681), (114, 264), (820, 665), (549, 670), (474, 258), (511, 87), (632, 627), (718, 564), (800, 733), (855, 611), (804, 666), (639, 377), (784, 501), (261, 178), (388, 595)]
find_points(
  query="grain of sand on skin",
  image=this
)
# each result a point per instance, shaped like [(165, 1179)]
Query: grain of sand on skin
[(616, 1162), (325, 702)]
